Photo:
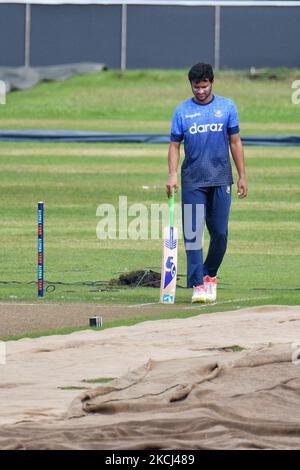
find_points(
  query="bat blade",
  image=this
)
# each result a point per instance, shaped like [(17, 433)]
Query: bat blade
[(169, 265)]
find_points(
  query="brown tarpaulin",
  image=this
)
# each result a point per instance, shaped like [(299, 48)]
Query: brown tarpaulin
[(248, 402), (184, 396)]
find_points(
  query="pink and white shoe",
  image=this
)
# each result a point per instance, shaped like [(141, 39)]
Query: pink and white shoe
[(210, 284), (199, 294)]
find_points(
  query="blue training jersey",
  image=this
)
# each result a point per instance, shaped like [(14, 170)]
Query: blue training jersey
[(204, 128)]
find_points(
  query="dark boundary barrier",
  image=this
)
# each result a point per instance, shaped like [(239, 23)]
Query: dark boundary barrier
[(150, 33)]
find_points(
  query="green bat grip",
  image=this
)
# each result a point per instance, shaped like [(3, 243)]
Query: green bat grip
[(171, 208)]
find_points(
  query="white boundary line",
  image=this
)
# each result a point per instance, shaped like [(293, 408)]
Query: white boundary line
[(210, 304), (143, 305), (242, 299)]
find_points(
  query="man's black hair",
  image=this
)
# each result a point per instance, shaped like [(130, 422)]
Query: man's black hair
[(201, 72)]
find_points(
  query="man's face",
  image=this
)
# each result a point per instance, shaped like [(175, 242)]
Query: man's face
[(202, 91)]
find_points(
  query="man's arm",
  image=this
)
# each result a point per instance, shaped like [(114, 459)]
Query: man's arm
[(173, 161), (237, 153)]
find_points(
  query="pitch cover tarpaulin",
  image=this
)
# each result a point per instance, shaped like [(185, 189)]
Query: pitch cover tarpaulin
[(22, 78), (85, 136)]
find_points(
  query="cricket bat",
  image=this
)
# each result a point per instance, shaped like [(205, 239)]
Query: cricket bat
[(169, 258)]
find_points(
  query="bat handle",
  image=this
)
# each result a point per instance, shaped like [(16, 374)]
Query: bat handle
[(171, 208)]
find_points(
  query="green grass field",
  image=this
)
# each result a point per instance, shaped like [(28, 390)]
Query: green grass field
[(262, 264), (143, 101)]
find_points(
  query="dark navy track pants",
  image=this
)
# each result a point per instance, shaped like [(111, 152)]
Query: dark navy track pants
[(212, 204)]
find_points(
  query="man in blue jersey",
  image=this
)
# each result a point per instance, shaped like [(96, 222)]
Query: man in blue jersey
[(208, 125)]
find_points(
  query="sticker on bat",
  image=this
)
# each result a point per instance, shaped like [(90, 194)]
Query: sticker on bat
[(170, 271)]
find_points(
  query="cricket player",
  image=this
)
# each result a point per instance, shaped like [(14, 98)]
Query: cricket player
[(208, 126)]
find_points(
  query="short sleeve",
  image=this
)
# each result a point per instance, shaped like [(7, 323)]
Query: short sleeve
[(233, 122), (176, 129)]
